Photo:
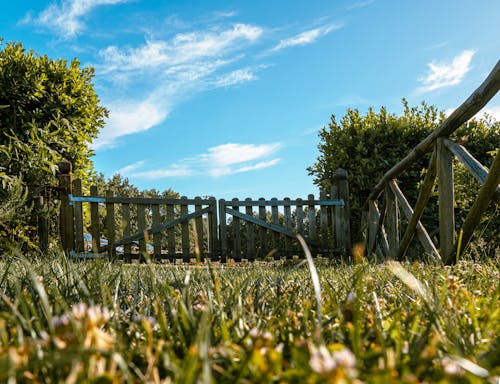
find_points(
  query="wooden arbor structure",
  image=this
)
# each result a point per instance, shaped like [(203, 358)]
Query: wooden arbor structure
[(383, 226)]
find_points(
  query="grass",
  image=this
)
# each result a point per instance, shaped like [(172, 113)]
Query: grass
[(101, 322)]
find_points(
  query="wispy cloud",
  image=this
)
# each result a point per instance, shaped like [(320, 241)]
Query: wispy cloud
[(222, 160), (306, 37), (446, 74), (360, 4), (64, 17), (235, 77)]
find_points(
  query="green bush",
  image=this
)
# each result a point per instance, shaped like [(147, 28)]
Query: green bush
[(49, 111), (368, 146)]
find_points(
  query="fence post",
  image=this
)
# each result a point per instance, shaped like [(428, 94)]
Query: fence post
[(223, 230), (446, 200), (343, 225), (66, 211)]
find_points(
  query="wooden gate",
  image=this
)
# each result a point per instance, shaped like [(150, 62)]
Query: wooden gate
[(103, 225), (268, 228), (130, 227)]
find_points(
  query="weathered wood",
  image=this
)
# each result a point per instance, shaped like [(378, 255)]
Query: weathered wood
[(141, 224), (127, 229), (262, 230), (334, 195), (250, 246), (223, 229), (372, 228), (287, 212), (392, 220), (343, 225), (481, 203), (446, 199), (311, 216), (275, 202), (378, 218), (476, 169), (423, 197), (476, 101), (78, 214), (66, 211), (323, 221), (213, 237), (185, 226), (157, 236), (170, 232), (422, 234), (275, 220), (299, 213), (94, 221), (110, 224), (199, 225), (141, 234), (236, 231)]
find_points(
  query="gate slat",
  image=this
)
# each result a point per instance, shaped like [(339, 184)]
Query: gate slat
[(170, 233), (323, 218), (287, 211), (110, 225), (184, 227), (78, 212), (250, 249), (127, 248), (223, 229), (94, 221), (157, 236), (275, 220), (299, 213), (262, 231), (312, 217), (199, 226), (141, 223), (236, 232)]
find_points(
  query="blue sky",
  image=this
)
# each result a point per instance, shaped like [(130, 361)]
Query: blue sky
[(225, 98)]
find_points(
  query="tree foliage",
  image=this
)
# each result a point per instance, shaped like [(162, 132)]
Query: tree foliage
[(49, 111), (368, 146)]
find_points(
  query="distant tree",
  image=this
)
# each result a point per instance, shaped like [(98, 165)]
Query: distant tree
[(49, 111), (368, 146)]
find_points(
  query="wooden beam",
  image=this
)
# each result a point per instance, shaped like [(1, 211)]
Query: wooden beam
[(380, 230), (423, 198), (474, 103), (476, 169), (483, 198), (446, 200), (422, 234), (392, 219)]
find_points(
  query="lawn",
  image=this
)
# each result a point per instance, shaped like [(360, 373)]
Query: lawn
[(286, 321)]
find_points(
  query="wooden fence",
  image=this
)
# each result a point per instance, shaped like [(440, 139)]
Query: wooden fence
[(384, 225), (166, 228)]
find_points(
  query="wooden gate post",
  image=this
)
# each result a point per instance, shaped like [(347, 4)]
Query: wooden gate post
[(342, 225), (66, 211), (446, 200)]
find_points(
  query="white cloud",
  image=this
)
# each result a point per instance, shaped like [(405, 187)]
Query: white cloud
[(360, 4), (446, 74), (129, 168), (306, 37), (169, 71), (222, 160), (128, 118), (235, 77), (182, 49), (65, 17)]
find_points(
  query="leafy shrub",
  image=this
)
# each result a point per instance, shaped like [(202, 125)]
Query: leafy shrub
[(368, 146)]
